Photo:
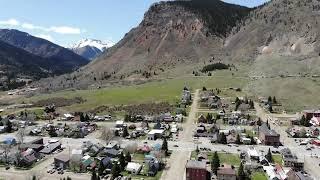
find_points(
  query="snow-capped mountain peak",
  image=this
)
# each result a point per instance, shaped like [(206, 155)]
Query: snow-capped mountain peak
[(101, 45)]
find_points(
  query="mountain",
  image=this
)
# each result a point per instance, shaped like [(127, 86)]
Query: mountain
[(64, 59), (19, 63), (91, 48), (172, 33)]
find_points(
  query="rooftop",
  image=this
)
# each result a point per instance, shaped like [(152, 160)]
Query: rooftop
[(196, 164), (265, 130)]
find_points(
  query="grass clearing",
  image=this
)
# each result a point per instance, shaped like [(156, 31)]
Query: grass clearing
[(157, 91), (259, 176), (277, 158), (225, 158)]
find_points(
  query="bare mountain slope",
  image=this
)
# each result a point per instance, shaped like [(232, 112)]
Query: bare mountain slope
[(171, 33)]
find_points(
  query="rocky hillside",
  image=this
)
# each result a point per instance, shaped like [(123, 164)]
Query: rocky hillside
[(64, 59), (171, 33), (284, 27)]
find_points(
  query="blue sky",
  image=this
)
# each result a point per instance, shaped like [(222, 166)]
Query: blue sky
[(68, 21)]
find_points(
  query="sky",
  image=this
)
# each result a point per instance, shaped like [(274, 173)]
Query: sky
[(67, 22)]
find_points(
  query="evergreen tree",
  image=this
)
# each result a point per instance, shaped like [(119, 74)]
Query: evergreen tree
[(68, 178), (52, 132), (238, 141), (87, 118), (82, 118), (197, 150), (115, 171), (164, 146), (269, 99), (269, 156), (9, 126), (122, 161), (215, 163), (127, 118), (222, 138), (204, 88), (128, 157), (125, 132), (241, 173), (34, 177), (101, 168), (274, 100), (209, 117), (270, 108), (94, 175), (259, 122)]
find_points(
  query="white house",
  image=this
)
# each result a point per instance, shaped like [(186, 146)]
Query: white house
[(155, 133), (133, 168)]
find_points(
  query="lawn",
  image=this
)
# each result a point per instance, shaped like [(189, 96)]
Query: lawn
[(259, 176), (277, 159), (225, 158)]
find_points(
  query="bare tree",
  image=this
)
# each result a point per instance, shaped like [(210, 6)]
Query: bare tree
[(6, 150), (106, 134), (131, 147), (20, 135)]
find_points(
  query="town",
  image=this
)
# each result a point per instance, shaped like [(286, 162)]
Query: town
[(204, 136)]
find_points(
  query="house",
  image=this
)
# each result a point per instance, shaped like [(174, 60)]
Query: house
[(88, 162), (133, 168), (291, 160), (119, 124), (231, 139), (107, 162), (196, 170), (226, 173), (277, 172), (51, 147), (28, 157), (76, 154), (315, 121), (267, 136), (155, 134), (253, 153), (110, 152), (112, 145), (154, 167), (62, 161), (308, 114)]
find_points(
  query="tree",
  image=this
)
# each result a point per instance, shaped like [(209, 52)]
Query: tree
[(197, 150), (274, 100), (128, 157), (270, 107), (20, 135), (241, 173), (204, 88), (94, 175), (164, 146), (52, 132), (115, 171), (238, 141), (122, 161), (82, 118), (222, 138), (9, 126), (269, 156), (101, 168), (259, 122), (68, 178), (125, 132), (87, 118), (304, 121), (269, 99), (215, 163), (127, 118), (209, 117), (106, 134), (34, 177)]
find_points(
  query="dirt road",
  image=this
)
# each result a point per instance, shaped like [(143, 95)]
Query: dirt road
[(175, 169)]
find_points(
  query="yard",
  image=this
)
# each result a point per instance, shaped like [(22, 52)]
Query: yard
[(277, 158), (259, 176), (225, 158)]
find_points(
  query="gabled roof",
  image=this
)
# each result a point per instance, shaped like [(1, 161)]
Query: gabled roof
[(196, 164)]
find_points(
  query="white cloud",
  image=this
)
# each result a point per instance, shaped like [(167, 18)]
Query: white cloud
[(56, 29), (10, 22), (65, 30), (46, 36)]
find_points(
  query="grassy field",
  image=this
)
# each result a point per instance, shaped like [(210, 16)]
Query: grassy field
[(259, 176), (159, 91), (277, 159), (225, 158)]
